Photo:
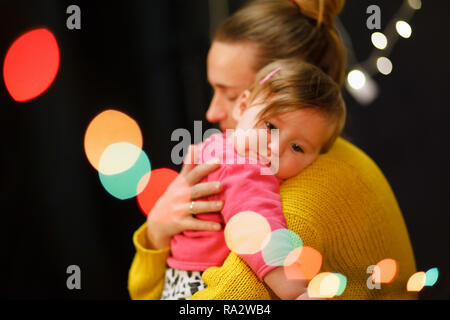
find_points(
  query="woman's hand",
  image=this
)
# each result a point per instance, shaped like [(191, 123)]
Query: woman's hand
[(173, 213)]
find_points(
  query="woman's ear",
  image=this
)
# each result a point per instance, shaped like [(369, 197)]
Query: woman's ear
[(241, 105)]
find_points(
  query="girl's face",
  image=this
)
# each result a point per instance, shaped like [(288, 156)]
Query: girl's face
[(301, 136), (229, 67)]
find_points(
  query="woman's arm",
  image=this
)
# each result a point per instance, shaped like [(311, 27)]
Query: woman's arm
[(146, 275), (234, 280)]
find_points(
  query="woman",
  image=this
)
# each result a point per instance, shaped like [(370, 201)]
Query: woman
[(341, 205)]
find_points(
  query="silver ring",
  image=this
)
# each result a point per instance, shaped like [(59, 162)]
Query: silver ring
[(191, 207)]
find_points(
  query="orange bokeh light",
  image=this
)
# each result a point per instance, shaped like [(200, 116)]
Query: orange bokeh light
[(107, 128), (385, 271), (303, 263), (416, 282)]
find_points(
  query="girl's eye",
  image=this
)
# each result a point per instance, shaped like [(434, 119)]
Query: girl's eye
[(270, 126), (297, 148)]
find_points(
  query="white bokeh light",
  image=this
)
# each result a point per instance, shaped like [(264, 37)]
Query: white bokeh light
[(356, 79), (384, 65), (415, 4), (361, 86), (379, 40), (403, 28)]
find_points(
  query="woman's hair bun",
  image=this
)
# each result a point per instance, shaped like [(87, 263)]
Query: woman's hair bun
[(323, 11)]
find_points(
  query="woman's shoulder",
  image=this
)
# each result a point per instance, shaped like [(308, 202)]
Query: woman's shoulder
[(344, 182), (343, 206), (345, 165)]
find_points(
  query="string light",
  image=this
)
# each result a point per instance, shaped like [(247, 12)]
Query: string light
[(361, 86), (356, 79), (384, 65), (415, 4), (359, 82), (379, 40), (403, 28)]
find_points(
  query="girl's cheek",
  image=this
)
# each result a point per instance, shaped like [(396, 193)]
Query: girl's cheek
[(288, 167), (297, 165)]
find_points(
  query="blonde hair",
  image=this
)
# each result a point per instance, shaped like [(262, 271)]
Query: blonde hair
[(283, 29), (292, 84)]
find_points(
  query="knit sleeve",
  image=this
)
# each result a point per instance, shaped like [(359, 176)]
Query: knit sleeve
[(234, 280), (146, 275)]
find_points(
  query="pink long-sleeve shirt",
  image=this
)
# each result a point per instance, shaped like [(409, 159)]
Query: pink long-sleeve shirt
[(244, 189)]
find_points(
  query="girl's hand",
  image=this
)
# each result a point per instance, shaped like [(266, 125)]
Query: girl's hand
[(305, 296), (173, 213)]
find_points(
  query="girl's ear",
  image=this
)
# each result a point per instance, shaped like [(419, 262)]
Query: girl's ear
[(241, 105)]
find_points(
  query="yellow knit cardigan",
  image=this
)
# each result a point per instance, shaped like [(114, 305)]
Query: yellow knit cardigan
[(341, 205)]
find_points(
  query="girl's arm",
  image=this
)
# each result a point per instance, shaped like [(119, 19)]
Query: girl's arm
[(284, 288)]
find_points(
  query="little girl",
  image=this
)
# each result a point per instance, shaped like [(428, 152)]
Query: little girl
[(304, 107)]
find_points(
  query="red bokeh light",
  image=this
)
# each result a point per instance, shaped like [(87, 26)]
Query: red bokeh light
[(159, 180), (31, 64)]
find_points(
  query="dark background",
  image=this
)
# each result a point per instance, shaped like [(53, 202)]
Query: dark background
[(147, 59)]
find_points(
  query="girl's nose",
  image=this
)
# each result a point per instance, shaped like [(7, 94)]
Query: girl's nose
[(277, 143), (274, 146)]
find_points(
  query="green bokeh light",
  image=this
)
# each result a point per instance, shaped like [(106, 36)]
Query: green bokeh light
[(124, 185)]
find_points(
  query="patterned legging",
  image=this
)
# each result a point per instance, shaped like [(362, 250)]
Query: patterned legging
[(181, 284)]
